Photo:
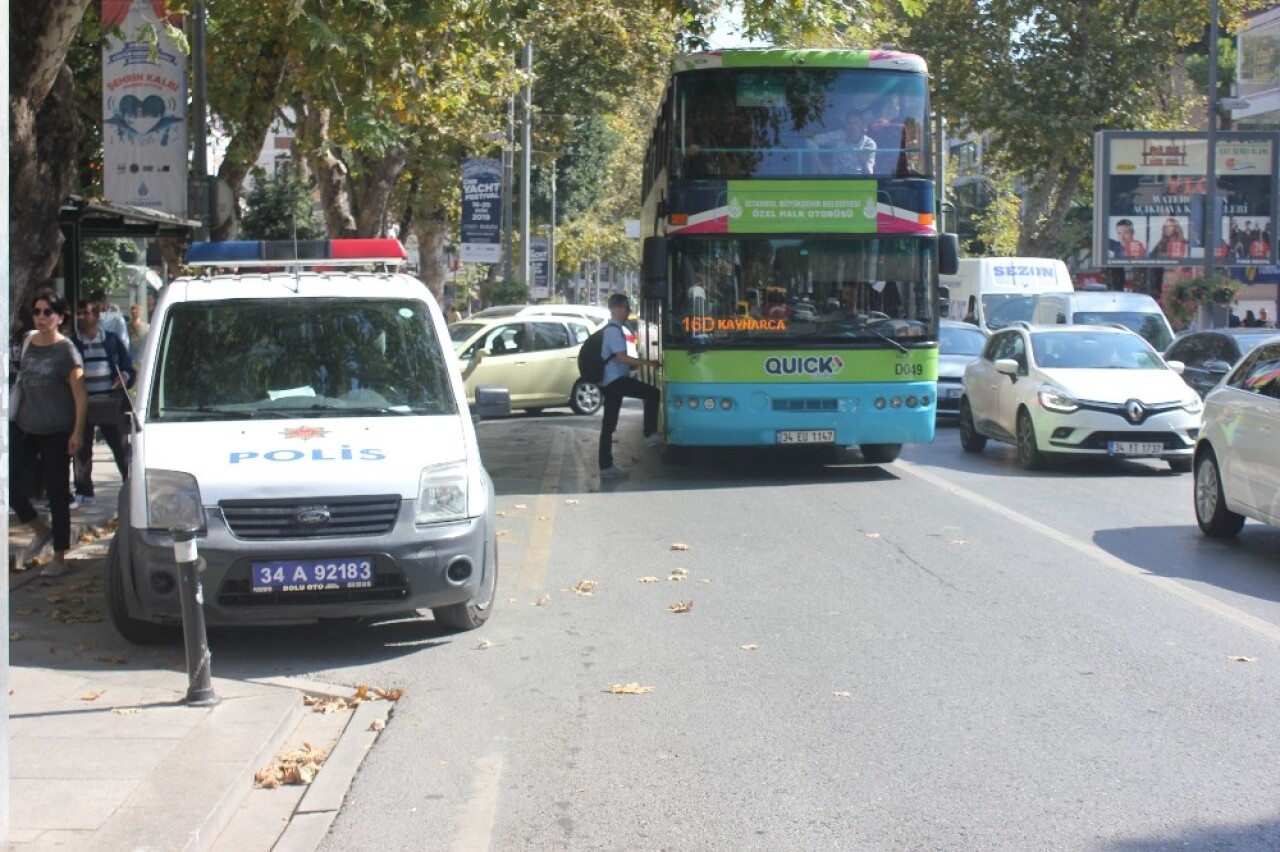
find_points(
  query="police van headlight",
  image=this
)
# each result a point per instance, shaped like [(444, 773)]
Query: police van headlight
[(173, 500), (442, 493)]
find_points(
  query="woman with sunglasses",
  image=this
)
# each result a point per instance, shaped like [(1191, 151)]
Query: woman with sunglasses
[(49, 421)]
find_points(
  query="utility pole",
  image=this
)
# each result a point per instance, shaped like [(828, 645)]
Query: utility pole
[(1211, 185), (526, 162), (199, 101), (551, 242), (508, 177)]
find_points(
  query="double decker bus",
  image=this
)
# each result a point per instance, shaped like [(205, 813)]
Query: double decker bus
[(791, 256)]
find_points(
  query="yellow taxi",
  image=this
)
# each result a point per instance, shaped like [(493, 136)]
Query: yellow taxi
[(534, 357)]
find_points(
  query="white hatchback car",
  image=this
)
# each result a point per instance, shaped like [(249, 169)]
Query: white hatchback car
[(1237, 459), (1078, 390)]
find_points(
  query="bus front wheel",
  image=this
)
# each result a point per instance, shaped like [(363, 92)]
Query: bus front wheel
[(879, 453)]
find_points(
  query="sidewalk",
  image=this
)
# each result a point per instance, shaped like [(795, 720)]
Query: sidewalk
[(103, 754)]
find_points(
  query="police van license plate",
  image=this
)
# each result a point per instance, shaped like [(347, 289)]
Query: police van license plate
[(1134, 448), (807, 436), (313, 575)]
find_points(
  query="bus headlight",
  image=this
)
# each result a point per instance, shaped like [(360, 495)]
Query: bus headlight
[(442, 493)]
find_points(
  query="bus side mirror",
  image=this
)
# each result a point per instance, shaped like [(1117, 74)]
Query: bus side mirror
[(948, 254), (653, 269)]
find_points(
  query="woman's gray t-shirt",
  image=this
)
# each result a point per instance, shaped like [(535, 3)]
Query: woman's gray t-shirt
[(47, 406)]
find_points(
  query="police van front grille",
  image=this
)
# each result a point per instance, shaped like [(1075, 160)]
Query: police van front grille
[(284, 518)]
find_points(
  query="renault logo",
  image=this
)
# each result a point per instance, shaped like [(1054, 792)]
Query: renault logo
[(1133, 408), (312, 515)]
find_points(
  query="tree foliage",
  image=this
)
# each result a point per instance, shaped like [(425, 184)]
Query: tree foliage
[(279, 207)]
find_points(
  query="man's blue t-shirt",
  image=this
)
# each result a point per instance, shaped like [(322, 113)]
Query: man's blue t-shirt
[(615, 341)]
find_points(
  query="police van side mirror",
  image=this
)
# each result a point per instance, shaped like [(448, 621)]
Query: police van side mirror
[(948, 254), (491, 402), (653, 268)]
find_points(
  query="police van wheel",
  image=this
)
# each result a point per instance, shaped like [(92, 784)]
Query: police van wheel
[(586, 397), (475, 612), (135, 630)]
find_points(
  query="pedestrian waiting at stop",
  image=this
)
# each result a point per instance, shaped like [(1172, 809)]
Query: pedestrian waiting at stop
[(620, 355), (47, 411), (108, 374)]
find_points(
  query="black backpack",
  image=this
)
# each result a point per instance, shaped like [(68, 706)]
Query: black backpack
[(590, 362)]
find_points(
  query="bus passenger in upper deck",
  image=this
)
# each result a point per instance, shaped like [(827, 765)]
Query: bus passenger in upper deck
[(848, 151)]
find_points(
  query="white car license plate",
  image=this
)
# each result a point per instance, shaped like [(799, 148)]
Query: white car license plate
[(807, 436), (313, 575), (1134, 448)]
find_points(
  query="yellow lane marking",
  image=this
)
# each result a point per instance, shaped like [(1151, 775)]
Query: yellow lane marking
[(537, 555), (1168, 584)]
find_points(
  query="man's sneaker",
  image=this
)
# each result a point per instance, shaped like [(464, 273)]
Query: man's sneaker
[(74, 504), (85, 500), (654, 440), (56, 567), (613, 472)]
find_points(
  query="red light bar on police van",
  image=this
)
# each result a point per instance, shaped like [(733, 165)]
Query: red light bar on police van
[(308, 253)]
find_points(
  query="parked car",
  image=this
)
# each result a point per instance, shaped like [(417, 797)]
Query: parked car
[(1078, 390), (1237, 457), (1209, 355), (594, 315), (959, 343), (535, 357)]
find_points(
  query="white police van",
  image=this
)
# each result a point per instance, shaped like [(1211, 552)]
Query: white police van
[(307, 418)]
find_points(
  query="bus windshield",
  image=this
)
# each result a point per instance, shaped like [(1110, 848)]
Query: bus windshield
[(799, 122), (771, 292)]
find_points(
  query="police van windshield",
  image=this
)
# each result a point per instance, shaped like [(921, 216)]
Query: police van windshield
[(254, 358)]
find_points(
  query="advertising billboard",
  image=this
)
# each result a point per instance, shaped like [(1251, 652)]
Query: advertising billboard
[(481, 210), (144, 109), (539, 268), (1150, 198)]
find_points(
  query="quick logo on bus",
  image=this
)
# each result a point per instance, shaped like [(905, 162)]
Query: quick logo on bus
[(804, 365), (1025, 271)]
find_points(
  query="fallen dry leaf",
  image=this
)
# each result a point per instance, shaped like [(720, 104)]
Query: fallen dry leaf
[(326, 704), (362, 692), (377, 724), (544, 517), (24, 611), (873, 535), (521, 506), (126, 711), (572, 502), (1242, 659), (500, 533), (542, 601), (500, 514), (485, 644), (679, 546), (959, 541), (748, 647), (629, 689), (15, 636), (840, 694), (680, 606), (586, 588), (389, 694), (649, 580), (111, 658), (296, 766), (93, 696)]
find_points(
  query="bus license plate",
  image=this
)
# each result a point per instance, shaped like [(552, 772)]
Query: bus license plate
[(313, 575), (807, 436), (1134, 448)]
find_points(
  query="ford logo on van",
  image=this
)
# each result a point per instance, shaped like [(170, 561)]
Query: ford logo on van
[(312, 515)]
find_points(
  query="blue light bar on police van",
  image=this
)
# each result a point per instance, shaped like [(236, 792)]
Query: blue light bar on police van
[(279, 253)]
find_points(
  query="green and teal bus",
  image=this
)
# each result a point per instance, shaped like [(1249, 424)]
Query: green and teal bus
[(790, 252)]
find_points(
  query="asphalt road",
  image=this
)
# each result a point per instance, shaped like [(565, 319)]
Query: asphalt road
[(942, 653)]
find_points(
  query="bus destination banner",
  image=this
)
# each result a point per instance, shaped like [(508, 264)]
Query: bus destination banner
[(793, 207), (481, 210), (1150, 198)]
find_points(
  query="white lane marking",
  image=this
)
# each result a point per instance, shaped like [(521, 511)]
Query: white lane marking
[(475, 822), (1168, 584)]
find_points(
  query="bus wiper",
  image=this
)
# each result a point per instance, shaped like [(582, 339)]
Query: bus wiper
[(887, 339)]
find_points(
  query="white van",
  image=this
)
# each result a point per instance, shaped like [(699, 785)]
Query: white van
[(1137, 312), (992, 292), (312, 426)]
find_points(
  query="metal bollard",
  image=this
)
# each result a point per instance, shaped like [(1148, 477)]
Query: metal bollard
[(199, 676)]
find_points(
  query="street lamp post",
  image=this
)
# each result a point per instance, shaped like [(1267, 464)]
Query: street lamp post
[(526, 162), (1211, 184)]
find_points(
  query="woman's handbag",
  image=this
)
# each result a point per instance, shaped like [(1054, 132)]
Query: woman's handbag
[(15, 390)]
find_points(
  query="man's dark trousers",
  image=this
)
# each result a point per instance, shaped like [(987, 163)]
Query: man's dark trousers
[(614, 392)]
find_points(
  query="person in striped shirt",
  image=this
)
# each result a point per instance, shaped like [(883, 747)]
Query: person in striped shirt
[(108, 373)]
